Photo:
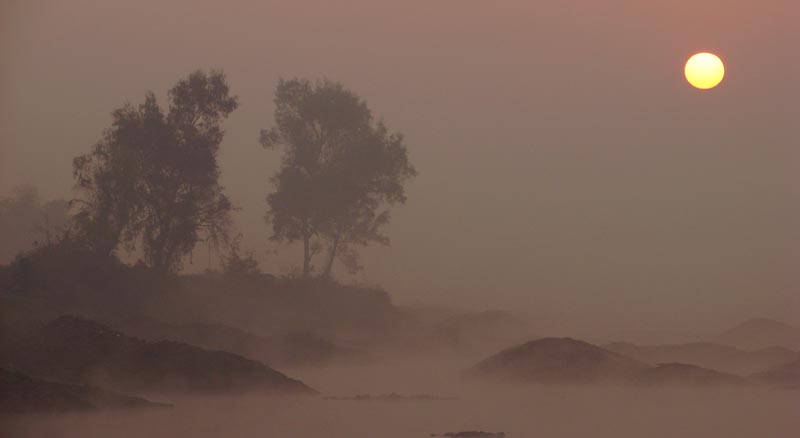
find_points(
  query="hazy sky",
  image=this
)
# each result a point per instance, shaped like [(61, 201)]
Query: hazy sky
[(566, 168)]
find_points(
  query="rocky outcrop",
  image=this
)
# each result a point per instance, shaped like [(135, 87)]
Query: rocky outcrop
[(557, 360), (22, 393), (570, 361), (76, 350)]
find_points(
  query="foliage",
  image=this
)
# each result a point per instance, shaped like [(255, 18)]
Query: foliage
[(341, 172), (27, 221), (237, 264), (154, 178)]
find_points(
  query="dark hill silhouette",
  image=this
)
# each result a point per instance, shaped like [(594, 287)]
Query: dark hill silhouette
[(392, 397), (687, 375), (355, 316), (566, 360), (21, 393), (293, 349), (760, 333), (786, 375), (19, 315), (81, 351), (64, 276), (708, 355), (471, 434), (557, 360)]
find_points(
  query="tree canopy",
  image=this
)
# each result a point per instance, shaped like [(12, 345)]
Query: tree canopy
[(153, 179), (341, 172), (26, 220)]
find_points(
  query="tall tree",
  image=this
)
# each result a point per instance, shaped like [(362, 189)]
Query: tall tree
[(154, 178), (341, 172)]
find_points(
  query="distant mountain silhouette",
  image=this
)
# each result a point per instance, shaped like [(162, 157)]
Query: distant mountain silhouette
[(760, 333), (680, 374), (566, 360), (709, 355), (557, 360), (392, 397), (786, 375), (81, 351), (21, 393), (471, 434)]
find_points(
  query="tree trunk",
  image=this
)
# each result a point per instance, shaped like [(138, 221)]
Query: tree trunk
[(329, 267), (306, 255)]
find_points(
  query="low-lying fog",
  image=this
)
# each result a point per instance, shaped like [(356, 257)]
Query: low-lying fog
[(374, 198), (520, 411)]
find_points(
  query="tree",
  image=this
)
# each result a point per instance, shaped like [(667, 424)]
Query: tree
[(154, 178), (341, 172), (25, 221)]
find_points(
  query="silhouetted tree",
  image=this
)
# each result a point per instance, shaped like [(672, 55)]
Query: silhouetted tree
[(341, 171), (26, 220), (154, 177)]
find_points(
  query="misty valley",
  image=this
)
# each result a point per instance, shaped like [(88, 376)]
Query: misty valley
[(249, 354)]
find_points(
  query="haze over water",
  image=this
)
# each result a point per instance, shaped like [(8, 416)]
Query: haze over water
[(591, 246), (532, 411)]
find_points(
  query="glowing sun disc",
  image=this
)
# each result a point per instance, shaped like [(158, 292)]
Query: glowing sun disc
[(704, 71)]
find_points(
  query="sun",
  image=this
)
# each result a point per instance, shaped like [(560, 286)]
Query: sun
[(704, 70)]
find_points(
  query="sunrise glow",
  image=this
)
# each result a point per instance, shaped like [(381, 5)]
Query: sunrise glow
[(704, 71)]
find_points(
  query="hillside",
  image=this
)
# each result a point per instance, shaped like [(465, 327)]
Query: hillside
[(785, 376), (708, 355), (21, 393), (679, 374), (295, 349), (351, 315), (566, 360), (557, 360), (75, 350), (73, 282)]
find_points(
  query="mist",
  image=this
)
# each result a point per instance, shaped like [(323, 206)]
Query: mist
[(559, 178), (551, 136)]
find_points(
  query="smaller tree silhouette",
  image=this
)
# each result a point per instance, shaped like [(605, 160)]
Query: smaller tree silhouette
[(341, 172)]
